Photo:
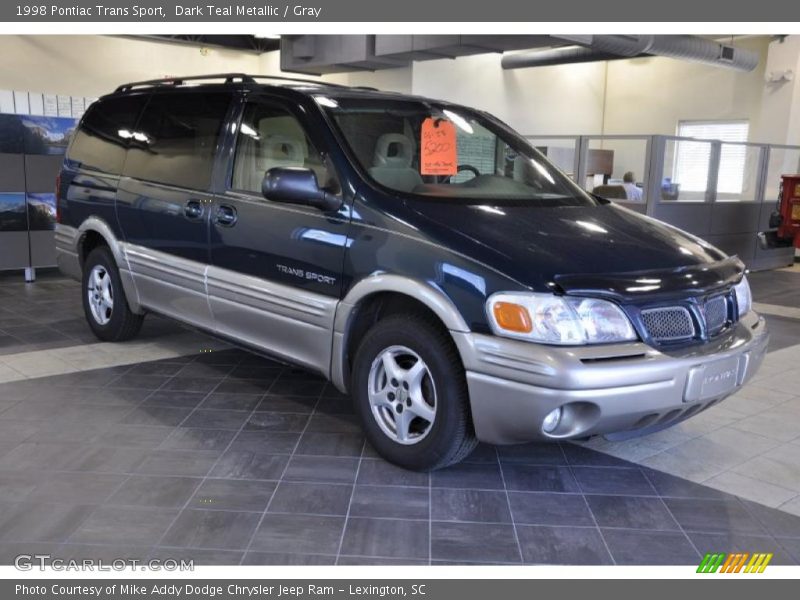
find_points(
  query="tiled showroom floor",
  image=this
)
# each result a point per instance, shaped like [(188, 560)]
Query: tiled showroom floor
[(163, 448)]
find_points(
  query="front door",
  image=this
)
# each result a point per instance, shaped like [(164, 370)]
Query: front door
[(275, 274)]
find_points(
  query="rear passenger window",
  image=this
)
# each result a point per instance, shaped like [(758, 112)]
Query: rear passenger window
[(176, 137), (270, 137), (102, 137)]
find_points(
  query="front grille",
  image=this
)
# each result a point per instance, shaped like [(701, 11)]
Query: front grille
[(716, 314), (668, 324)]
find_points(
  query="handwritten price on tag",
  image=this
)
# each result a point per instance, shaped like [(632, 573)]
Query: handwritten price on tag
[(438, 148)]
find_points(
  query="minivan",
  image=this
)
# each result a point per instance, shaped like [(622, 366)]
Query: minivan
[(421, 255)]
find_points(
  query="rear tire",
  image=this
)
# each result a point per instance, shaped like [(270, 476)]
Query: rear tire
[(410, 392), (104, 302)]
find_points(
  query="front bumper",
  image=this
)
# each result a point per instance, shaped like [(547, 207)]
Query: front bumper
[(623, 389)]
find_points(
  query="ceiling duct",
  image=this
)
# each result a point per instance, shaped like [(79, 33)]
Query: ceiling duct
[(611, 47)]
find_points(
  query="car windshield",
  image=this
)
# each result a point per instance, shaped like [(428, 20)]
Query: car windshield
[(450, 153)]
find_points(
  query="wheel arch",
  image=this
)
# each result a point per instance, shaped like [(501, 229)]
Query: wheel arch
[(94, 232), (379, 295)]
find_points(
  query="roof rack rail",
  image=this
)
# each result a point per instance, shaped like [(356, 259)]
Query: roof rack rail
[(226, 77)]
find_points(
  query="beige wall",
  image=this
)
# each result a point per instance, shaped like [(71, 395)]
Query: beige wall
[(545, 101), (86, 65), (627, 96), (650, 95)]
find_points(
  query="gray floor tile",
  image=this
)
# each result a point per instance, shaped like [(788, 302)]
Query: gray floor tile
[(222, 401), (562, 545), (277, 558), (129, 525), (532, 454), (199, 556), (105, 552), (37, 522), (298, 534), (218, 529), (792, 547), (9, 551), (243, 386), (713, 516), (469, 505), (530, 478), (216, 419), (330, 444), (104, 459), (476, 542), (336, 423), (311, 498), (273, 442), (190, 384), (388, 538), (78, 488), (15, 486), (380, 472), (244, 464), (469, 475), (138, 381), (232, 494), (390, 502), (287, 404), (174, 399), (541, 508), (323, 469), (650, 547), (156, 416), (296, 388), (623, 481), (382, 562), (212, 440), (775, 522), (584, 457), (675, 487), (146, 490), (631, 512), (135, 436), (270, 421), (177, 462)]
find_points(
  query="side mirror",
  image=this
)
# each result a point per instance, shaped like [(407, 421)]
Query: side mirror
[(295, 185)]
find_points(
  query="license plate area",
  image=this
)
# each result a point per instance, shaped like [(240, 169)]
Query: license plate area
[(711, 380)]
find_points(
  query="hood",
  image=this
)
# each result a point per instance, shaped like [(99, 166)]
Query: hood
[(605, 249)]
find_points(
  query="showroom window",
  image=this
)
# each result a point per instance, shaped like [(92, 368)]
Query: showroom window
[(269, 137), (692, 159), (176, 137), (102, 138)]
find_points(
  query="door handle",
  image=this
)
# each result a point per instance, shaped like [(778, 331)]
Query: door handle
[(226, 215), (193, 209)]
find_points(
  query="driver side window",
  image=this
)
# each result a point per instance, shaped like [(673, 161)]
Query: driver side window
[(269, 137)]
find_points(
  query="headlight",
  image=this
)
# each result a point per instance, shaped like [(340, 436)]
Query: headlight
[(744, 299), (550, 319)]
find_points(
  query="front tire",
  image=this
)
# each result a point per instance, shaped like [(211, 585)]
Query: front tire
[(410, 393), (104, 302)]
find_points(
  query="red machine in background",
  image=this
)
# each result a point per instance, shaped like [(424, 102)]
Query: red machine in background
[(787, 217)]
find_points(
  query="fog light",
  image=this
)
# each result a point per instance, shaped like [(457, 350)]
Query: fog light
[(552, 420)]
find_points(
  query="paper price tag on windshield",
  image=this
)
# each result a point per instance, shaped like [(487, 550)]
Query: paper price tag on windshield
[(438, 148)]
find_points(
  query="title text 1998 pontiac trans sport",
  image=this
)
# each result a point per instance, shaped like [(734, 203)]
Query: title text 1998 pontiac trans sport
[(420, 254)]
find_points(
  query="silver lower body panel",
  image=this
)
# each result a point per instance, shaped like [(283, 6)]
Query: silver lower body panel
[(514, 385)]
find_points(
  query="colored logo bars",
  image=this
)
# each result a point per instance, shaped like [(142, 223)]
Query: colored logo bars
[(735, 563)]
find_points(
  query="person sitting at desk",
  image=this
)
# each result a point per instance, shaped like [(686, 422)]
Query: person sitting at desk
[(633, 191)]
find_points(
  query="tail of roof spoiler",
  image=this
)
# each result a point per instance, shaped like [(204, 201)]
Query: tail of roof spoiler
[(653, 285)]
